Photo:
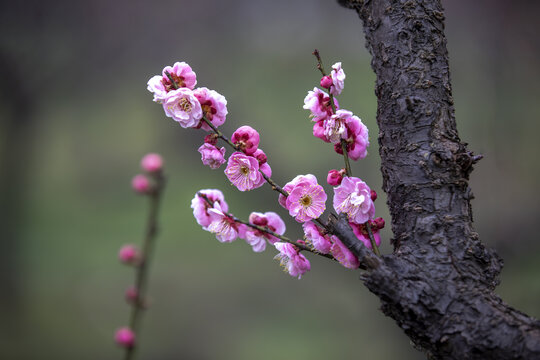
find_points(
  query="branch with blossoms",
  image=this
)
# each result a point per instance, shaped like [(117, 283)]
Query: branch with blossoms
[(248, 169)]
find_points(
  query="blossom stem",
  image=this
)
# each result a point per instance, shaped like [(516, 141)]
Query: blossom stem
[(171, 79), (141, 276), (346, 158), (372, 239), (266, 230)]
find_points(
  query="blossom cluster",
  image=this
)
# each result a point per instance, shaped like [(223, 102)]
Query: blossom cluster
[(247, 168), (335, 125)]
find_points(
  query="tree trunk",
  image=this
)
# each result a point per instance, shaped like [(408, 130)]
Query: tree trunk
[(438, 283)]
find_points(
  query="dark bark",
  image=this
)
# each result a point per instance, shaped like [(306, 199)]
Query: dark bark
[(438, 283)]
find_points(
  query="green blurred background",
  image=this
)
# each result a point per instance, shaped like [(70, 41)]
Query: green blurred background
[(76, 118)]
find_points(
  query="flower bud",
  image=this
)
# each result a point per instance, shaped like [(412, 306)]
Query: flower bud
[(373, 195), (125, 337), (379, 223), (128, 254), (211, 139), (131, 295), (326, 82), (247, 139), (334, 177), (152, 163), (140, 184), (260, 156)]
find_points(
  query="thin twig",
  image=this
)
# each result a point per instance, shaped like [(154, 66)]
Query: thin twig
[(372, 239), (141, 277)]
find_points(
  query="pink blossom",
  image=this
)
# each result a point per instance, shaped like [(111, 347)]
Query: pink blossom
[(128, 254), (247, 138), (141, 184), (200, 206), (338, 79), (152, 163), (211, 139), (318, 102), (260, 156), (291, 184), (342, 254), (313, 235), (181, 73), (357, 139), (326, 82), (213, 105), (334, 177), (269, 220), (361, 233), (211, 155), (243, 171), (125, 337), (337, 126), (306, 201), (291, 260), (224, 226), (318, 130), (353, 197), (266, 170), (183, 107)]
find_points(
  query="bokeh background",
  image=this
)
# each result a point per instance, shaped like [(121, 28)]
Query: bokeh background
[(76, 118)]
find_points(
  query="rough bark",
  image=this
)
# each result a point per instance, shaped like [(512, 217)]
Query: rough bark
[(438, 283)]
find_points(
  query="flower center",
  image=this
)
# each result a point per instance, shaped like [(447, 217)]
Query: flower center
[(207, 109), (185, 105), (357, 200), (306, 200), (244, 170)]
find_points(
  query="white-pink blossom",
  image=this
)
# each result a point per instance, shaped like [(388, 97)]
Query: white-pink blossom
[(269, 220), (213, 105), (161, 85), (353, 197), (211, 155), (357, 139), (338, 79), (243, 171), (343, 255), (318, 102), (183, 107), (291, 260), (313, 236), (200, 206), (224, 226), (306, 201)]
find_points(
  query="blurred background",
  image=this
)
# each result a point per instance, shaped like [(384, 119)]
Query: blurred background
[(76, 118)]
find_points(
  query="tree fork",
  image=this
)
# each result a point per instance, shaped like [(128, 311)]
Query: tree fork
[(438, 283)]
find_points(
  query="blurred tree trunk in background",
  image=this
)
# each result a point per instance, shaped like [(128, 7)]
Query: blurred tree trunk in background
[(438, 284)]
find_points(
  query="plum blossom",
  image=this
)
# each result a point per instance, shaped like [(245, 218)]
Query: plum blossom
[(338, 79), (335, 177), (342, 254), (243, 171), (357, 139), (213, 105), (183, 107), (247, 138), (269, 220), (291, 260), (361, 233), (306, 200), (318, 102), (211, 155), (224, 226), (313, 235), (353, 197), (161, 85), (200, 206), (291, 184)]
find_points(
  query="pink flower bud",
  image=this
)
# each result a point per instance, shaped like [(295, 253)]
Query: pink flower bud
[(373, 195), (125, 337), (334, 177), (260, 156), (140, 184), (211, 139), (379, 223), (152, 162), (131, 295), (326, 82), (247, 138), (128, 254)]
